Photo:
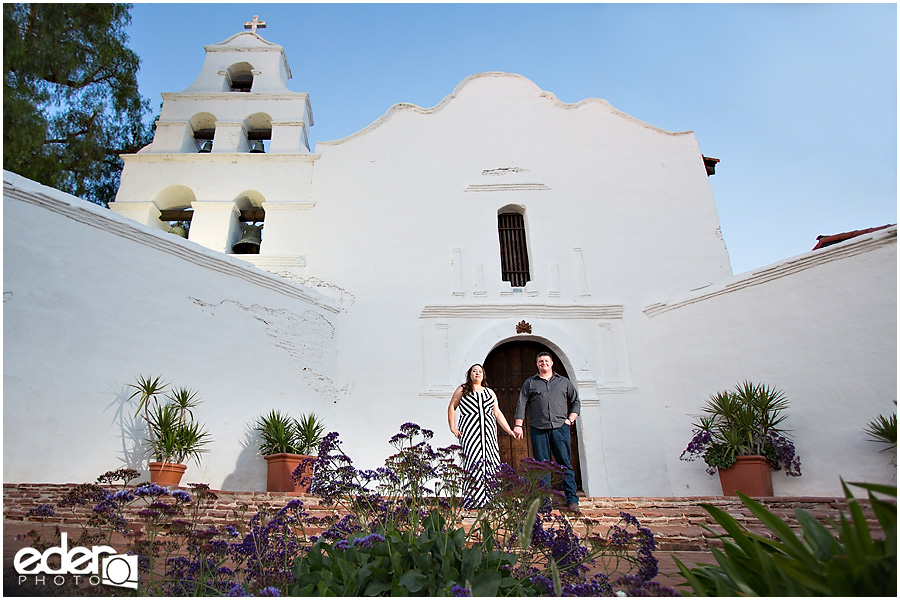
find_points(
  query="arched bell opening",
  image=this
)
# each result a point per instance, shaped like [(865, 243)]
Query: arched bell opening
[(506, 368), (175, 212), (203, 126), (259, 132), (251, 220), (240, 77)]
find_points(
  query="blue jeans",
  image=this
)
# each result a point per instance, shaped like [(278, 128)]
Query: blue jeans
[(558, 444)]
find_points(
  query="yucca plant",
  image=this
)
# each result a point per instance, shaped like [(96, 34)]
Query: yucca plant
[(147, 389), (278, 432), (883, 429), (281, 433), (841, 559), (172, 433), (309, 433), (745, 421), (177, 437)]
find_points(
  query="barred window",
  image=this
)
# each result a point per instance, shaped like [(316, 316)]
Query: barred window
[(513, 248)]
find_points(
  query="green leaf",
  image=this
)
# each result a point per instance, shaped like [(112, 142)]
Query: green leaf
[(554, 572), (413, 580), (471, 558), (485, 584), (700, 589), (375, 588), (791, 543)]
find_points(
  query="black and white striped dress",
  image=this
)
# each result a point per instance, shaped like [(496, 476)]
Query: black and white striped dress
[(479, 443)]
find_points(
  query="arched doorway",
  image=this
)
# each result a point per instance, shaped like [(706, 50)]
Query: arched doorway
[(506, 368)]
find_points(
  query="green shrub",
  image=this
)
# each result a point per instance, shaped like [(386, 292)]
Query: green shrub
[(843, 559), (435, 562)]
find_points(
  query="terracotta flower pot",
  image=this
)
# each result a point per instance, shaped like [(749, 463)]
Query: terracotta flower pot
[(166, 474), (280, 468), (750, 475)]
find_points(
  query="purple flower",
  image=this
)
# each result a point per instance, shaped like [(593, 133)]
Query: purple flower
[(181, 496), (460, 592), (786, 454), (237, 591), (272, 592), (151, 489), (368, 541), (543, 584), (44, 510), (698, 445), (634, 585), (123, 496)]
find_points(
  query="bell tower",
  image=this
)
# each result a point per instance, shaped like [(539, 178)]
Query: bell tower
[(229, 153)]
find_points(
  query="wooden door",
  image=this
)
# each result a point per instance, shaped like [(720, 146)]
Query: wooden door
[(506, 369)]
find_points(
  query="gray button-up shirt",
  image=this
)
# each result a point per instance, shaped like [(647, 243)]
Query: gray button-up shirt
[(548, 402)]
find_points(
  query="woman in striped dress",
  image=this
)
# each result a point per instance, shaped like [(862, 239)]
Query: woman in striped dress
[(477, 432)]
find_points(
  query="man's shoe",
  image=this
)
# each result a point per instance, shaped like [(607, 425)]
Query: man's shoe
[(573, 506)]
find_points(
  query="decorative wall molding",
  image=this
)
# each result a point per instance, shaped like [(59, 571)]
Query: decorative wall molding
[(220, 157), (534, 311)]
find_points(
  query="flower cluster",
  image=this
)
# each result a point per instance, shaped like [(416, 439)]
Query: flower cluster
[(778, 449), (406, 506), (781, 453)]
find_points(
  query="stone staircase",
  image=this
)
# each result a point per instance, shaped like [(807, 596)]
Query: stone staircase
[(677, 523)]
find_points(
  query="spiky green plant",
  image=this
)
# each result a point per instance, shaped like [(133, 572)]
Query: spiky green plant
[(278, 432), (745, 421), (883, 429), (842, 559), (147, 389), (309, 433), (177, 438), (172, 433)]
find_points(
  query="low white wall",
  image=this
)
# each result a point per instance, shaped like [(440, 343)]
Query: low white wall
[(821, 327), (92, 299)]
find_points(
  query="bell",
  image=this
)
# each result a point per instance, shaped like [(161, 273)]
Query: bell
[(258, 148), (250, 241), (206, 147), (179, 231)]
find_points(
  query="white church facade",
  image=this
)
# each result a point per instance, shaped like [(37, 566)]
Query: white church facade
[(498, 223)]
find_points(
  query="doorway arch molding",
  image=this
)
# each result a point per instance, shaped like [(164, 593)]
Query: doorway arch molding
[(564, 344), (594, 475)]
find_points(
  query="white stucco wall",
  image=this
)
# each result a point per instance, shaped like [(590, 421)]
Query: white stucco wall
[(389, 286), (92, 299), (405, 221), (821, 327)]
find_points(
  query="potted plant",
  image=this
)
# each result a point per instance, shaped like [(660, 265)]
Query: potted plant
[(740, 436), (286, 443), (173, 434), (883, 429)]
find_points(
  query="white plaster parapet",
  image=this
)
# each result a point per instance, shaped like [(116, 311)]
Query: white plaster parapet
[(803, 262), (20, 189)]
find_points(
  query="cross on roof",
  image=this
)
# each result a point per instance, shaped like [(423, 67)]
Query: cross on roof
[(254, 24)]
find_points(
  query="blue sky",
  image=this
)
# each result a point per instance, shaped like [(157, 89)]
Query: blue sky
[(798, 101)]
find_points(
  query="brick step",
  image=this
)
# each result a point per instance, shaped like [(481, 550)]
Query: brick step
[(677, 523)]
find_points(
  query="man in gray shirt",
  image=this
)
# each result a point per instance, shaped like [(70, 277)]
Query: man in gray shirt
[(553, 405)]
